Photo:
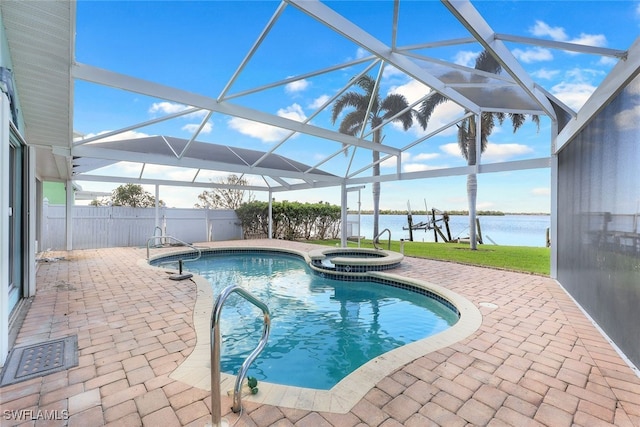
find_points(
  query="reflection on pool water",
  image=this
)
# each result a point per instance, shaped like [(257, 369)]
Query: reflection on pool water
[(322, 329)]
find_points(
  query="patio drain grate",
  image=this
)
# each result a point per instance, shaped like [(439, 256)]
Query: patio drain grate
[(25, 363)]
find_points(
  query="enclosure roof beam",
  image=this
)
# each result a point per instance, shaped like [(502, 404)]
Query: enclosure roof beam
[(516, 165), (187, 162), (464, 11), (566, 46), (172, 183), (136, 85), (341, 25)]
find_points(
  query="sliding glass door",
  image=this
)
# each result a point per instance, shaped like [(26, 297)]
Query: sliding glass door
[(17, 220)]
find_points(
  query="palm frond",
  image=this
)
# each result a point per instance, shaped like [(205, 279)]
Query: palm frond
[(486, 62), (392, 105), (428, 106), (464, 138), (352, 122), (536, 119), (517, 120), (349, 99), (366, 83)]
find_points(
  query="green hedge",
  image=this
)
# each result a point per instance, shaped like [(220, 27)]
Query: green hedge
[(291, 220)]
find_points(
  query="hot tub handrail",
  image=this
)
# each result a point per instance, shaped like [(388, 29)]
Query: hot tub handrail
[(216, 410), (175, 239), (375, 239)]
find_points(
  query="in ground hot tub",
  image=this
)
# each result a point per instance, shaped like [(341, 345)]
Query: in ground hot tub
[(354, 260)]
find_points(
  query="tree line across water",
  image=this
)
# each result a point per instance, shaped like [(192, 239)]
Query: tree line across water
[(424, 212)]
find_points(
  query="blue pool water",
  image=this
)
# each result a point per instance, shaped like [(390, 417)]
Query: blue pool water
[(322, 329)]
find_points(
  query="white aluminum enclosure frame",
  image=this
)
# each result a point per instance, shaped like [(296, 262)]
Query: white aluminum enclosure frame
[(46, 90)]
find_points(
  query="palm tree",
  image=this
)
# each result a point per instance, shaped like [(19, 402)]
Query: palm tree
[(467, 131), (380, 111)]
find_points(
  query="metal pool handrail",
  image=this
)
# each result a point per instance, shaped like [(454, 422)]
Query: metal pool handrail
[(175, 239), (375, 239), (216, 409)]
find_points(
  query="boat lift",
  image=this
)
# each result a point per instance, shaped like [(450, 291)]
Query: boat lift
[(430, 224)]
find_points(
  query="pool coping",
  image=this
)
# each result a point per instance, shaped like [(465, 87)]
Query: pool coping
[(196, 369)]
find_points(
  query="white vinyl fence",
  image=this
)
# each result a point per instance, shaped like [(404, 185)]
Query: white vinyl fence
[(116, 226)]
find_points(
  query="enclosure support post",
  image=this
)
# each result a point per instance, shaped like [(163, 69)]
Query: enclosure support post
[(69, 214), (270, 214), (343, 205), (157, 206), (345, 211), (554, 217)]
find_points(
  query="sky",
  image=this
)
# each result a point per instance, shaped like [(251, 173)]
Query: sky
[(198, 46)]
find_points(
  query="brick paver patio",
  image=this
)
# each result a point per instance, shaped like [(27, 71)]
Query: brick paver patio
[(536, 359)]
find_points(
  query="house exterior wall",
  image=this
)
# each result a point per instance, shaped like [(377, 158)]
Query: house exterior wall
[(55, 192), (17, 261), (599, 219)]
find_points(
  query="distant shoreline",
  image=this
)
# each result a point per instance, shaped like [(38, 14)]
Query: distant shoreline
[(465, 213)]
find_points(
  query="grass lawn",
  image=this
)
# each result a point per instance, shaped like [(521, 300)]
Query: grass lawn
[(524, 259)]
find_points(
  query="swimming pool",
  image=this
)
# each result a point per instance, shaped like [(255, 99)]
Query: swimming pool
[(322, 329)]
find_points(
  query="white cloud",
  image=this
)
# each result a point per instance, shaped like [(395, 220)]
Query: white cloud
[(126, 168), (319, 102), (632, 89), (166, 107), (541, 191), (391, 71), (415, 167), (583, 74), (293, 112), (131, 134), (466, 58), (412, 91), (192, 127), (419, 167), (267, 133), (451, 149), (628, 119), (297, 86), (590, 40), (573, 94), (541, 29), (543, 73), (607, 61), (426, 156), (502, 152), (362, 53), (170, 173), (443, 114), (412, 163), (493, 152), (392, 162), (536, 54), (263, 132)]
